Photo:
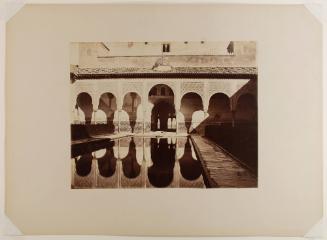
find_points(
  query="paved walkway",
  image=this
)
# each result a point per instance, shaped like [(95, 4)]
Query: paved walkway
[(220, 169)]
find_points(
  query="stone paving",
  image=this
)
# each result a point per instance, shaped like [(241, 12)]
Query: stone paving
[(220, 168)]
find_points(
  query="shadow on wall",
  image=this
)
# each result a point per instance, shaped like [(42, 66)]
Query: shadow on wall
[(240, 140), (218, 112), (241, 107), (236, 131)]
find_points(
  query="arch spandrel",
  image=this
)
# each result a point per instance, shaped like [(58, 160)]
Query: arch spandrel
[(223, 86), (136, 87), (151, 84), (191, 86)]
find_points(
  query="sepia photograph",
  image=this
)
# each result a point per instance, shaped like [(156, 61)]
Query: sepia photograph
[(164, 114), (152, 121)]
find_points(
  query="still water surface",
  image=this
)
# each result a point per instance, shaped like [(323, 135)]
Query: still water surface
[(137, 162)]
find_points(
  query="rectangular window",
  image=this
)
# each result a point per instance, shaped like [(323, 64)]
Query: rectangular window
[(166, 47)]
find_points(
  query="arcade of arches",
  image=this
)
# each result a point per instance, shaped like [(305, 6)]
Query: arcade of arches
[(173, 105)]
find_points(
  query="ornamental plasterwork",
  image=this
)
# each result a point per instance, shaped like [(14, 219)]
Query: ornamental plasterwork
[(132, 87), (108, 87), (153, 83), (220, 87), (196, 87)]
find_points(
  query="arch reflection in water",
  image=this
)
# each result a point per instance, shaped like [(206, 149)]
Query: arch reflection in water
[(161, 173), (83, 164), (107, 163), (82, 174), (137, 162), (131, 168), (190, 167)]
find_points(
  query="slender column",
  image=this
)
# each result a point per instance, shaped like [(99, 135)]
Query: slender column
[(94, 173), (93, 104), (94, 115), (205, 111), (176, 174), (144, 104), (73, 100), (177, 103), (75, 113), (206, 115), (169, 121), (95, 164), (120, 100), (119, 173), (144, 166), (118, 113), (206, 99), (119, 164), (143, 121)]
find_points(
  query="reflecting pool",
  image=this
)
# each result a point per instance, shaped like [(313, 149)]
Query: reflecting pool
[(137, 162)]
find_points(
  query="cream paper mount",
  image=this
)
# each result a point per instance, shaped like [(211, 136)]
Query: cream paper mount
[(8, 11)]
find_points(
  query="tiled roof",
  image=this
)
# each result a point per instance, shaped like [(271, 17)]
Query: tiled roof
[(181, 70)]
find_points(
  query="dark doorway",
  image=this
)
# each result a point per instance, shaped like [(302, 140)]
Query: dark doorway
[(163, 113), (161, 117)]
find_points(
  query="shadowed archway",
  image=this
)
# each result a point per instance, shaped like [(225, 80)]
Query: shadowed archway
[(84, 102), (246, 108), (190, 103), (163, 112), (219, 107), (108, 104), (130, 104)]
